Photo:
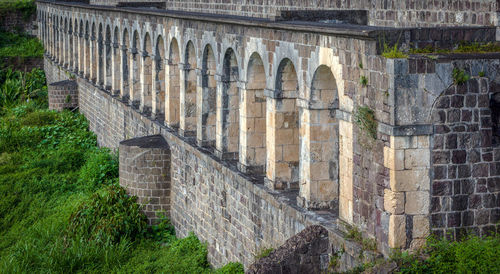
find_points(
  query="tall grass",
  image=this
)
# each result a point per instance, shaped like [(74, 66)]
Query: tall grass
[(19, 45), (16, 86), (62, 209)]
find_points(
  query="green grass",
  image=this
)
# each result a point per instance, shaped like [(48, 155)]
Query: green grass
[(464, 47), (62, 210), (19, 45)]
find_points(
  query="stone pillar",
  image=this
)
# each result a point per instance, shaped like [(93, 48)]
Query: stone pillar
[(187, 120), (63, 95), (145, 173), (115, 73), (123, 58), (145, 78), (408, 199), (93, 65), (282, 142), (319, 184), (100, 63), (346, 162), (132, 87), (171, 95), (252, 131)]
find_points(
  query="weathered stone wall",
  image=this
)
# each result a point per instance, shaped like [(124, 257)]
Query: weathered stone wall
[(381, 13), (145, 173), (306, 252), (234, 215), (63, 95), (466, 161), (22, 63), (16, 21)]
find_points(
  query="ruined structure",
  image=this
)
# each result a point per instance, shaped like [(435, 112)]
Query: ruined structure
[(278, 117)]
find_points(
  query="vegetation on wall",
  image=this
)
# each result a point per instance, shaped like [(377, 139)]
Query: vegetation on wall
[(19, 45), (62, 209), (26, 7), (365, 118)]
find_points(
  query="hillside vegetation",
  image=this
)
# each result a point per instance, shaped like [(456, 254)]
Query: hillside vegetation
[(62, 209)]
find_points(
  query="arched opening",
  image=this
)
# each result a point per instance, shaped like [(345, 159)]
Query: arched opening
[(107, 55), (173, 90), (283, 130), (159, 88), (147, 75), (135, 83), (253, 119), (206, 134), (125, 87), (100, 57), (319, 144), (116, 62), (188, 93), (227, 142)]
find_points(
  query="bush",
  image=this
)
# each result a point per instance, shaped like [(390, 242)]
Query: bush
[(20, 45), (473, 255), (16, 86), (26, 7), (108, 217), (231, 268)]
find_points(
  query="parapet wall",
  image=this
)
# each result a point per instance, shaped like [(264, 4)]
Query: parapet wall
[(63, 95), (381, 13)]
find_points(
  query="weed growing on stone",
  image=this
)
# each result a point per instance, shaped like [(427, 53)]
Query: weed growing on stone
[(459, 76), (263, 253), (393, 52), (481, 74), (365, 118), (363, 81)]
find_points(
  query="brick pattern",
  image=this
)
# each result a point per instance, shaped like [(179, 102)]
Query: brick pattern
[(381, 13), (63, 95), (235, 216), (466, 184), (145, 173), (14, 21)]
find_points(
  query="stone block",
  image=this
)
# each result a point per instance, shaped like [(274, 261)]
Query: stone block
[(421, 226), (409, 180), (416, 158), (417, 202), (394, 202), (397, 231)]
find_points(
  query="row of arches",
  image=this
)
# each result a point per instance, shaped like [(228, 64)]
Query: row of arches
[(266, 131)]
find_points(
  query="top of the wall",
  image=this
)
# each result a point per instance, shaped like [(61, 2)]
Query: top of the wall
[(386, 35), (395, 13)]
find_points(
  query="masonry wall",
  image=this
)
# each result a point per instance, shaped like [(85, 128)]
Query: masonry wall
[(381, 13), (234, 215)]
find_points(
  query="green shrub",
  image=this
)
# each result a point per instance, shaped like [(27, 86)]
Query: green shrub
[(263, 253), (231, 268), (41, 118), (393, 52), (101, 167), (26, 7), (459, 76), (365, 118), (19, 45), (473, 255), (16, 86), (108, 217)]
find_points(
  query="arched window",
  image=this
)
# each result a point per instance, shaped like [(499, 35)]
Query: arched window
[(159, 88), (188, 94), (206, 134), (173, 90)]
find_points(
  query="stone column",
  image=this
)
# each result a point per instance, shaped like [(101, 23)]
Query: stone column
[(346, 162), (132, 89), (123, 58), (282, 142), (92, 62), (252, 131), (185, 124), (154, 90), (99, 73), (319, 184), (145, 72), (408, 160), (80, 54), (115, 84)]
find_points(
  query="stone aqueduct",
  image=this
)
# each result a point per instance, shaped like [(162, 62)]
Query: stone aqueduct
[(260, 117)]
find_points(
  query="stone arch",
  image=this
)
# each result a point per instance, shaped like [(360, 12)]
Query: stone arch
[(227, 141), (283, 142), (173, 89), (147, 75), (107, 55), (135, 83), (159, 88), (253, 118), (125, 87), (188, 92), (207, 104), (319, 144)]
